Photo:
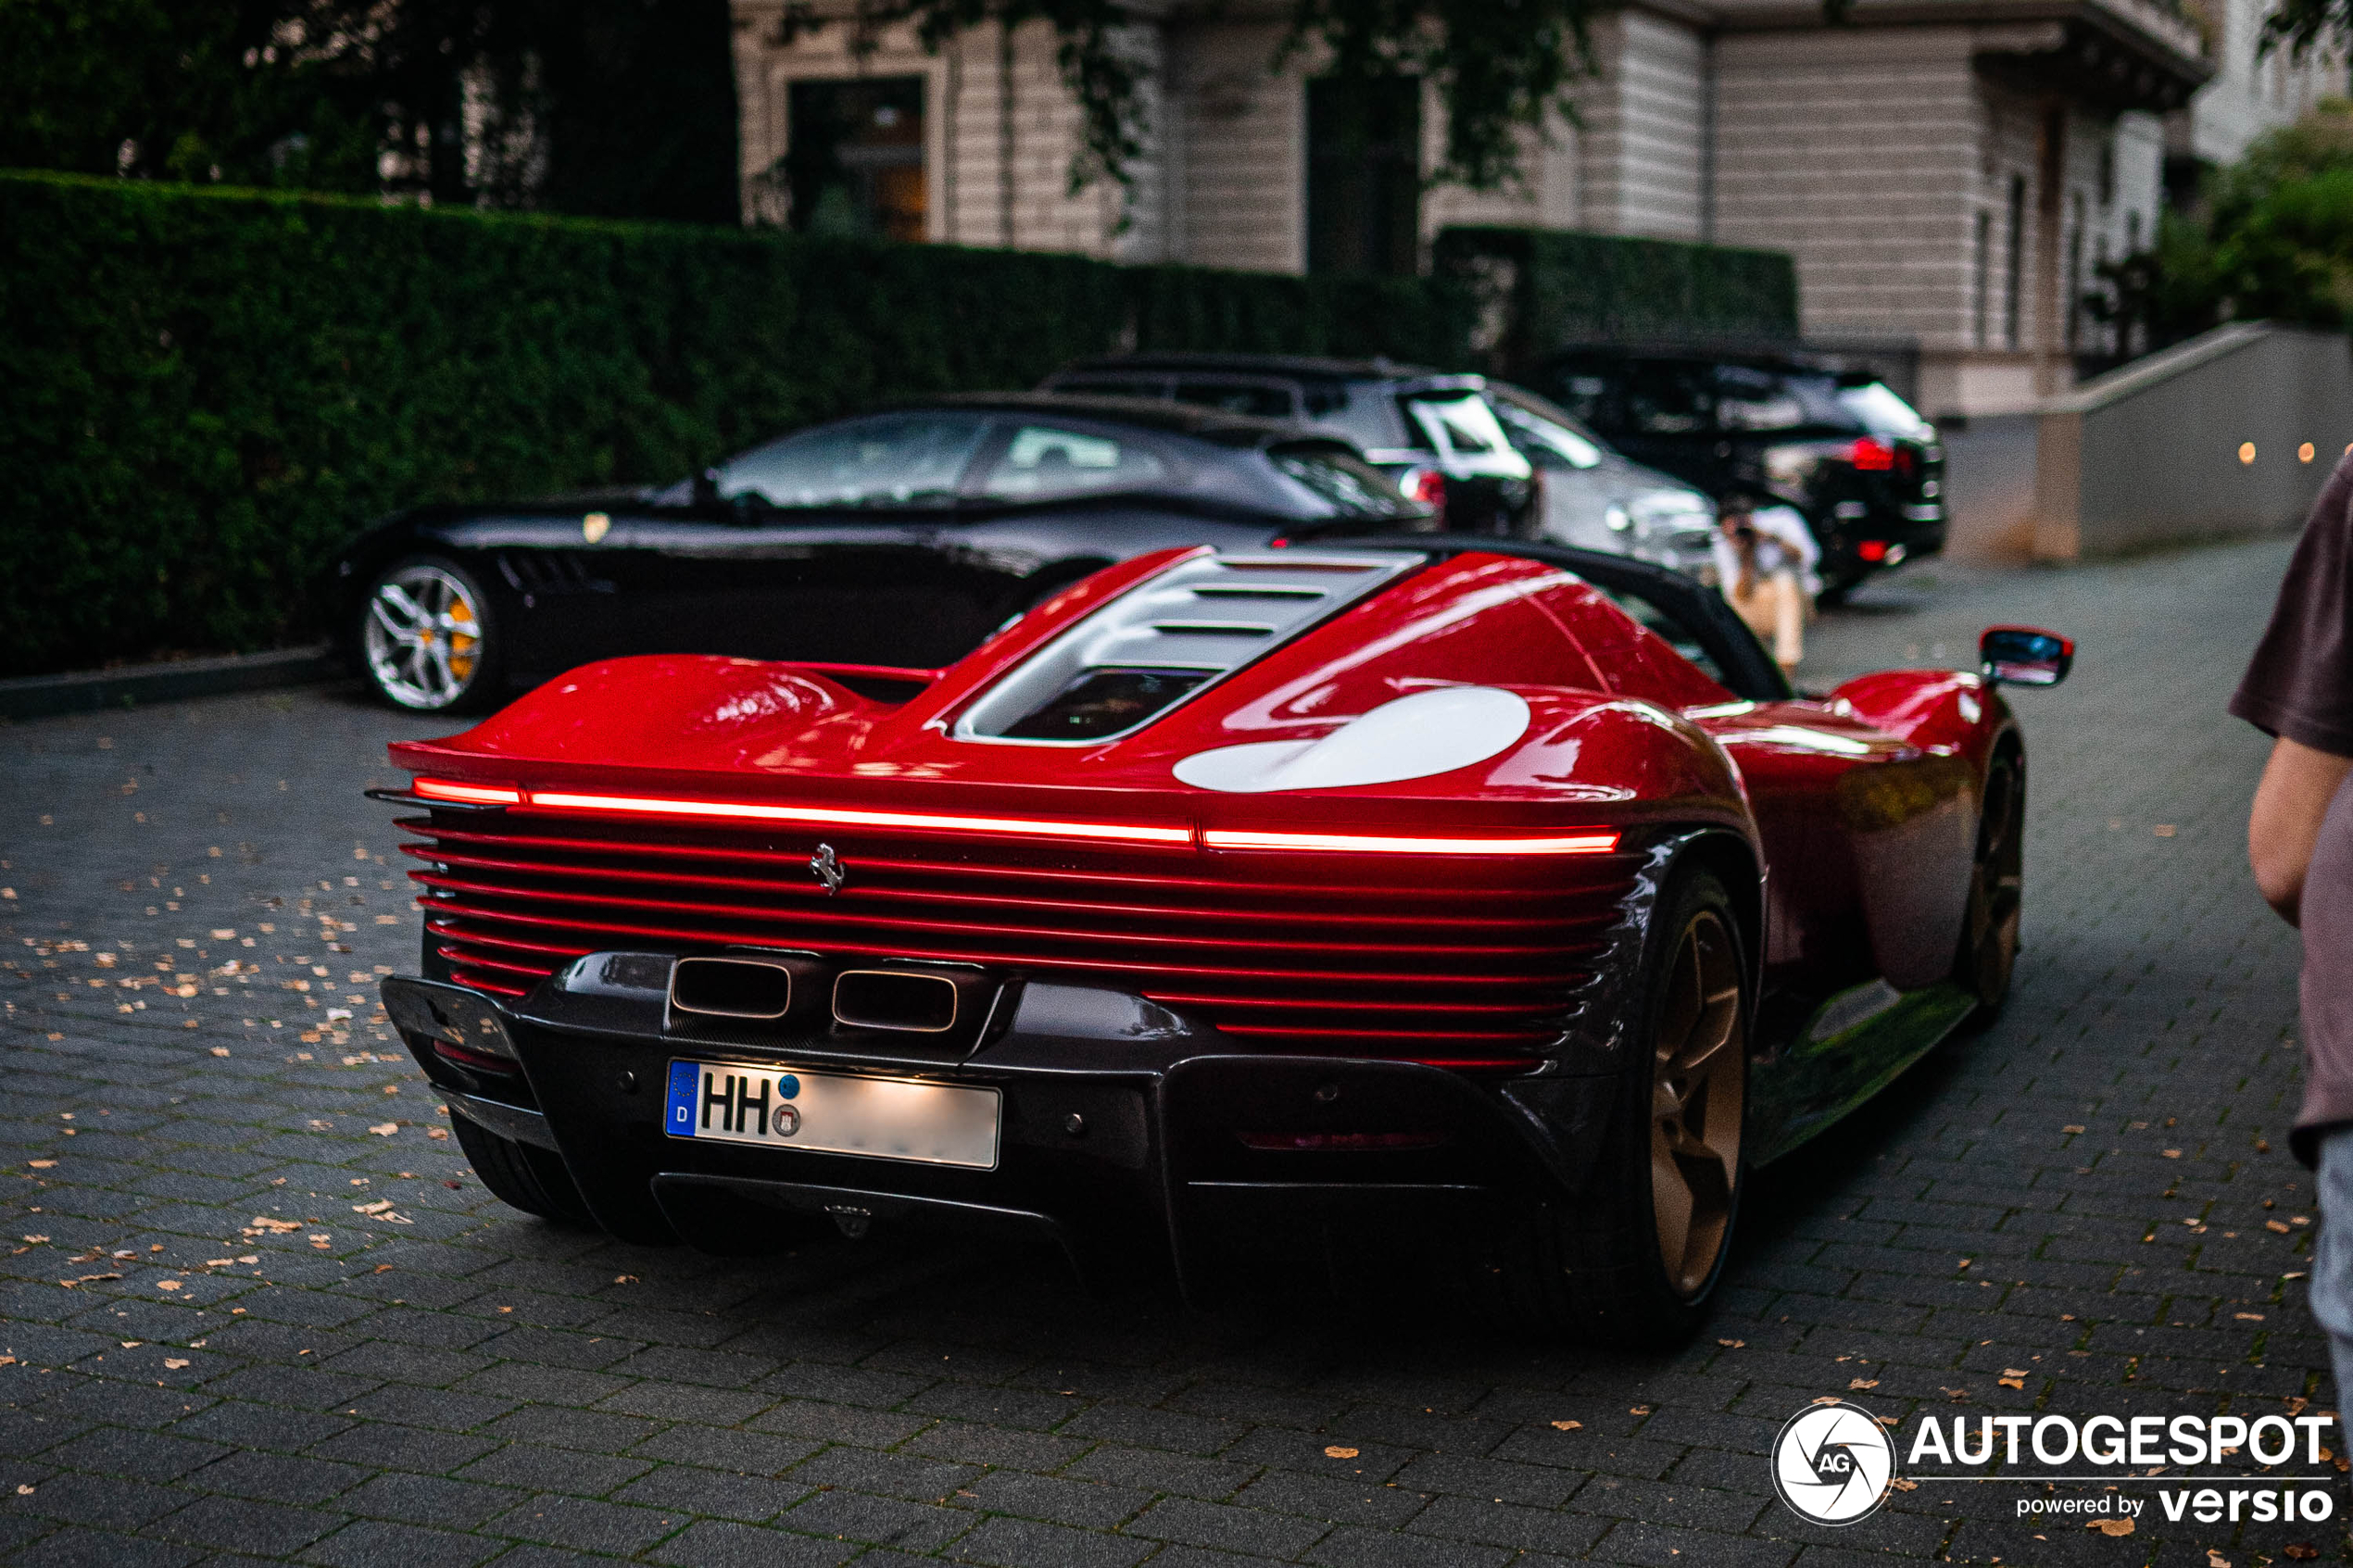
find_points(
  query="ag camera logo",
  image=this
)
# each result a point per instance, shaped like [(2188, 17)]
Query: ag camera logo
[(1832, 1463)]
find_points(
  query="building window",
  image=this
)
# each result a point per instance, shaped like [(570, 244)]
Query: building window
[(1981, 284), (854, 162), (2014, 268), (1364, 175)]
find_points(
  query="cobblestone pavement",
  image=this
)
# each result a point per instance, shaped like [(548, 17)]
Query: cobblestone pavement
[(219, 1343)]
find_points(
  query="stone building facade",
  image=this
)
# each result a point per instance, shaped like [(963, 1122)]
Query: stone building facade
[(1949, 172)]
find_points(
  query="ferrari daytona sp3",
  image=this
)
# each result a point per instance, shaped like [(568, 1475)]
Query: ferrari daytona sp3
[(1491, 900)]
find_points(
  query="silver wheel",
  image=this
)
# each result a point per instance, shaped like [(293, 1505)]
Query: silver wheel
[(423, 637), (1695, 1104)]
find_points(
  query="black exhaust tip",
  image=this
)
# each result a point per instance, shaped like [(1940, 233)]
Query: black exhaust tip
[(731, 987), (896, 999)]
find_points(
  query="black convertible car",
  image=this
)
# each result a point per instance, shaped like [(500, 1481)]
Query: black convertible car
[(899, 539)]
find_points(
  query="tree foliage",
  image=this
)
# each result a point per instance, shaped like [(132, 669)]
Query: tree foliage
[(622, 107), (2271, 238)]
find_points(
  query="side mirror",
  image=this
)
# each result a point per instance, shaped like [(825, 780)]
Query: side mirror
[(2024, 656)]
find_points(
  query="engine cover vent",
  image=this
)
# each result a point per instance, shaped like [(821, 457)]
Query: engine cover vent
[(1165, 639)]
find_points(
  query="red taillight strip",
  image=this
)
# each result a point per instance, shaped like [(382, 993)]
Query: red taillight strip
[(750, 811), (1123, 832), (472, 795), (1570, 844)]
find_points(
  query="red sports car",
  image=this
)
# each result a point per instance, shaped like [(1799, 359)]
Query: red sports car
[(1495, 900)]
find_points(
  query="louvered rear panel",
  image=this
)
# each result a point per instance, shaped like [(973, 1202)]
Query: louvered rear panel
[(1434, 957)]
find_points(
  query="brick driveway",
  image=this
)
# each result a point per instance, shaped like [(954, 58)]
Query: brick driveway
[(446, 1382)]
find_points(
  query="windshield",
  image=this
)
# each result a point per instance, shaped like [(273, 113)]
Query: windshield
[(912, 459), (1042, 461), (1461, 429), (1546, 443), (1345, 483), (1749, 398), (1879, 411)]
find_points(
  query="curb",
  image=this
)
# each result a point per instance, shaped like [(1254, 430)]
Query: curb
[(43, 697)]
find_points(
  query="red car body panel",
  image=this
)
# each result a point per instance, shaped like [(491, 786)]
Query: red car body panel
[(1861, 809)]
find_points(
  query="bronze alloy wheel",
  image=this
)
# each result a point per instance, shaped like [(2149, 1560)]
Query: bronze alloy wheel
[(423, 637), (1989, 945), (1696, 1091)]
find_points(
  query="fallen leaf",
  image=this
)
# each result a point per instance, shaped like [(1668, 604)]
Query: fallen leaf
[(1903, 1486), (1862, 1383), (1827, 1399), (2300, 1551), (2071, 1127), (2109, 1526), (216, 1051), (263, 1222), (2279, 1225), (36, 1240), (384, 1129), (173, 1363), (2249, 1317), (1566, 1425), (48, 1164), (24, 1490), (1639, 1410), (2263, 1146), (166, 1285), (131, 1344), (1955, 1394), (625, 1279), (392, 1088), (2019, 1382), (436, 1132), (1733, 1344), (2173, 1154), (378, 1207), (2216, 1560), (1336, 1451)]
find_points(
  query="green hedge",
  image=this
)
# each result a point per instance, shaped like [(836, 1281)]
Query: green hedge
[(1539, 289), (203, 392)]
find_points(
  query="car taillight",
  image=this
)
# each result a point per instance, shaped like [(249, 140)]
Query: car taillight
[(1871, 456), (1428, 487)]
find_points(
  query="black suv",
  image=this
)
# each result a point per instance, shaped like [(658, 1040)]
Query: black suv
[(1435, 435), (1833, 440)]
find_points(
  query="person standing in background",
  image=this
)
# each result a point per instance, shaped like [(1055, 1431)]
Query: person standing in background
[(2298, 690), (1764, 570)]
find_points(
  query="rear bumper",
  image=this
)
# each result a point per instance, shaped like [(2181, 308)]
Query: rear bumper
[(1125, 1128), (1882, 538)]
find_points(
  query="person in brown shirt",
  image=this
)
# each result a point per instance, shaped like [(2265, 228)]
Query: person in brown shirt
[(2299, 838)]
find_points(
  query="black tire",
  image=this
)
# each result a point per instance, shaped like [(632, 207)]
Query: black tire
[(532, 1180), (1599, 1271), (1988, 954), (428, 638)]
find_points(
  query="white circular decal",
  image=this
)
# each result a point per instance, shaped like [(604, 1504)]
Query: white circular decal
[(1831, 1463), (1411, 737)]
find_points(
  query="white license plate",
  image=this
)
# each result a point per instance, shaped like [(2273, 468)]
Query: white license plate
[(880, 1118)]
